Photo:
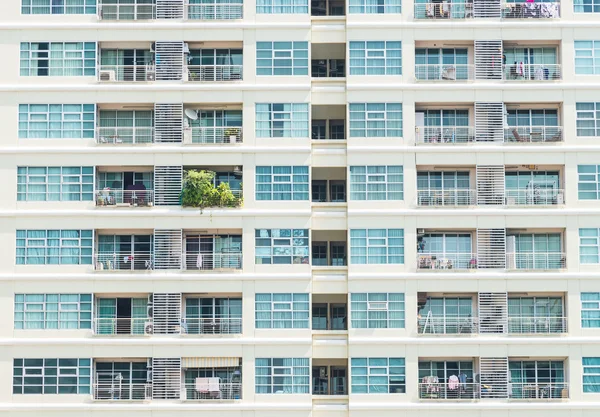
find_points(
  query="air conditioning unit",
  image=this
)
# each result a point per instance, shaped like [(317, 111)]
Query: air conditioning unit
[(148, 327), (108, 75), (420, 232)]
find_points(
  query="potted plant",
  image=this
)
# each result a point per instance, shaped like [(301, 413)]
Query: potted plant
[(232, 133)]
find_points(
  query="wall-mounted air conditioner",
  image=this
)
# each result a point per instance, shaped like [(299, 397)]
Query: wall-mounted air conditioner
[(108, 75)]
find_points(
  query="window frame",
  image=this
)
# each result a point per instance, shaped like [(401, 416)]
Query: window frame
[(282, 58), (588, 180), (89, 7), (83, 309), (31, 115), (295, 188), (594, 374), (361, 51), (282, 123), (589, 244), (368, 255), (372, 179), (590, 307), (375, 371), (593, 116), (383, 7), (298, 305), (82, 375), (280, 7), (587, 54), (85, 56), (299, 370), (375, 123), (84, 256), (86, 189), (369, 322), (296, 257)]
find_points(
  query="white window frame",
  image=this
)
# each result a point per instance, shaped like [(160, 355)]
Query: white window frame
[(23, 172), (595, 181), (374, 179), (590, 306), (588, 54), (281, 179), (286, 54), (282, 7), (66, 56), (290, 245), (374, 53), (589, 244), (389, 7), (61, 245), (385, 306), (288, 308), (384, 245), (370, 373), (28, 117), (580, 8), (595, 375), (61, 308), (291, 374), (59, 372), (294, 116), (585, 115), (369, 115), (70, 7)]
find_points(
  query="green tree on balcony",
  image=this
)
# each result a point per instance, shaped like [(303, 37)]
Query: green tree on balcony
[(199, 191)]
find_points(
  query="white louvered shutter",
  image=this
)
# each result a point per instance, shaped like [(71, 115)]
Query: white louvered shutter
[(169, 61), (488, 60), (168, 182), (490, 180), (489, 122), (168, 122), (167, 249), (487, 8), (493, 312), (166, 378), (169, 9), (166, 313), (491, 248), (493, 377)]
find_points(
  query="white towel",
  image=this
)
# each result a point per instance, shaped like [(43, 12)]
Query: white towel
[(214, 384)]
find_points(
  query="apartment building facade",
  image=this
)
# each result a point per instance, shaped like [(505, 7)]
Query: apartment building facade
[(322, 209)]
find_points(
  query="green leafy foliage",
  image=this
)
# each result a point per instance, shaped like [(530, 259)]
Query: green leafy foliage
[(199, 191)]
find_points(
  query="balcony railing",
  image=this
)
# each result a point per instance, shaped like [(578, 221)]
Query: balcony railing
[(216, 135), (447, 261), (536, 261), (209, 261), (448, 391), (124, 135), (447, 10), (125, 326), (126, 11), (115, 390), (448, 135), (444, 72), (216, 325), (126, 73), (523, 10), (532, 72), (206, 392), (124, 198), (215, 72), (533, 134), (538, 390), (537, 325), (446, 197), (447, 325), (535, 197), (215, 11), (330, 386), (123, 261)]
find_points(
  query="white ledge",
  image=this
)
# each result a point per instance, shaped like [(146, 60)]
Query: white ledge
[(157, 86), (479, 405), (152, 276), (154, 406), (143, 212), (475, 274), (509, 339), (150, 149), (156, 341), (158, 25)]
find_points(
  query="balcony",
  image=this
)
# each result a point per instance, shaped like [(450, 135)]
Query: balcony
[(213, 135), (537, 325), (209, 389), (136, 10), (328, 68), (447, 324), (124, 198), (106, 388), (123, 261), (211, 325), (107, 326), (444, 11), (329, 379), (206, 252), (209, 126), (327, 8), (447, 135), (453, 390), (124, 135), (328, 123), (444, 72), (447, 261), (534, 261), (446, 197), (329, 248), (532, 72), (201, 10), (214, 73), (142, 72), (533, 134), (542, 391), (212, 379), (526, 10), (329, 312), (537, 196)]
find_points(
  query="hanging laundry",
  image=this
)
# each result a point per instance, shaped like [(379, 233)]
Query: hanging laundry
[(453, 383)]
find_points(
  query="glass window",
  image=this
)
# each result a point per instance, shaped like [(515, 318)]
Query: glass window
[(587, 57), (547, 377), (377, 310), (376, 183), (281, 7), (590, 309), (53, 311), (449, 250), (378, 7), (282, 120), (378, 375), (282, 183), (55, 183), (441, 64), (281, 246), (282, 58), (69, 59), (215, 10), (536, 251), (443, 180), (588, 119), (282, 375), (446, 315), (57, 121), (443, 370), (588, 184), (589, 244), (586, 6), (375, 120), (377, 246), (51, 376), (375, 58), (54, 247), (591, 375), (282, 311), (535, 315), (58, 6)]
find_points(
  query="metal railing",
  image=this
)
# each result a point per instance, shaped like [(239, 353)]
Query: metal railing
[(123, 261), (447, 325), (213, 325), (215, 72), (538, 390), (113, 326), (126, 73), (448, 391), (447, 10), (124, 135), (114, 390), (536, 261), (224, 391), (533, 134), (209, 261), (216, 135), (124, 198), (136, 11), (537, 325), (448, 135), (329, 386), (535, 197), (444, 72), (532, 72), (446, 261), (523, 10), (215, 11), (446, 197)]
